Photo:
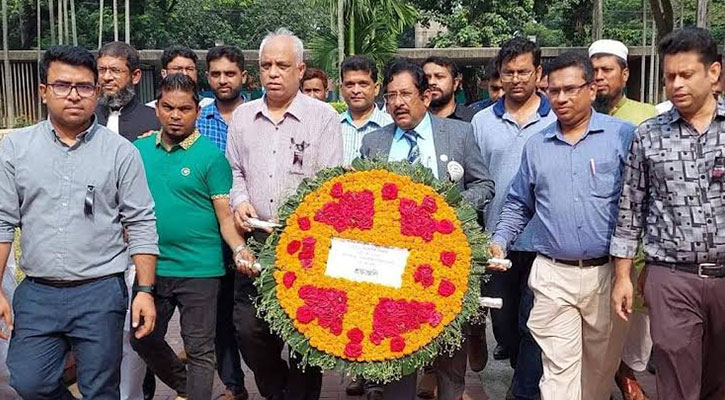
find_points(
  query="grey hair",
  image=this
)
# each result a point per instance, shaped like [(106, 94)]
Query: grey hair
[(296, 42)]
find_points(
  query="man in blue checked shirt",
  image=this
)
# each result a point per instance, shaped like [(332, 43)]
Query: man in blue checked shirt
[(570, 180), (226, 78)]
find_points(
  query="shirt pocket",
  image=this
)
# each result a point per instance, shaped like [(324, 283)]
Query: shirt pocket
[(604, 180)]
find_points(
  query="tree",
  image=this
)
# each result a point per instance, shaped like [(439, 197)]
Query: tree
[(372, 27)]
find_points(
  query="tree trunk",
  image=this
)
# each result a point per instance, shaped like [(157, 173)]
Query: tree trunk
[(115, 20), (37, 65), (100, 24), (8, 82), (73, 21), (597, 20), (702, 13), (66, 26), (663, 16), (340, 32), (60, 21), (127, 22), (51, 8)]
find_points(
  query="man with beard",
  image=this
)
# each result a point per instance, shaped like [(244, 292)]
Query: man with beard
[(118, 107), (502, 130), (226, 78), (120, 110), (444, 81), (609, 58), (611, 73)]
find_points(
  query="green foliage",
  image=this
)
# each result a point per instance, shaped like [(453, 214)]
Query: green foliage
[(339, 106)]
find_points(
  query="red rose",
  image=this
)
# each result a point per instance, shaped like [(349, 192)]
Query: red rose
[(429, 204), (305, 314), (424, 275), (435, 319), (390, 191), (293, 246), (446, 288), (309, 240), (289, 279), (306, 263), (336, 327), (445, 226), (336, 190), (353, 350), (376, 337), (397, 344), (304, 223), (355, 335), (448, 258)]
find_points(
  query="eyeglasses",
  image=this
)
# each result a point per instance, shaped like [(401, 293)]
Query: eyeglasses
[(523, 76), (181, 70), (63, 89), (392, 97), (112, 70), (569, 91)]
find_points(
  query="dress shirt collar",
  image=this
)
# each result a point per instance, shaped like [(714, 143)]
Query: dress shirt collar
[(596, 125), (673, 115), (424, 129), (86, 136), (295, 108), (377, 117)]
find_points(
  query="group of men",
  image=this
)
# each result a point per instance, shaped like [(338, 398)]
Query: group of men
[(130, 212)]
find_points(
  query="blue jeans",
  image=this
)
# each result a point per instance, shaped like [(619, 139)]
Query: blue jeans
[(50, 321), (528, 371)]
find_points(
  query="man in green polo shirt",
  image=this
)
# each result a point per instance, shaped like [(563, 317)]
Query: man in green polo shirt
[(609, 58), (190, 181)]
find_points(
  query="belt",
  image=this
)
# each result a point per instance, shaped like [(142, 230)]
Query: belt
[(592, 262), (704, 270), (67, 284)]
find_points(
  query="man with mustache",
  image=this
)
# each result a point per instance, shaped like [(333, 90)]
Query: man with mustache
[(672, 200), (569, 183), (119, 108), (417, 136), (444, 80)]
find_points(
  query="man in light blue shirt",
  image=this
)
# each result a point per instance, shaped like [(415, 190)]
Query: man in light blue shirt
[(569, 181), (501, 132), (359, 87)]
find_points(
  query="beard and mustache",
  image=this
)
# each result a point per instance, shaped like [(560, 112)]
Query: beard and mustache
[(118, 100), (604, 103), (442, 100), (232, 96)]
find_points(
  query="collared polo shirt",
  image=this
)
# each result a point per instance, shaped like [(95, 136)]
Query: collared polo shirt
[(501, 140), (400, 147), (184, 181)]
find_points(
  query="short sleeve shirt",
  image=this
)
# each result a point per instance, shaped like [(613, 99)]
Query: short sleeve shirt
[(184, 181)]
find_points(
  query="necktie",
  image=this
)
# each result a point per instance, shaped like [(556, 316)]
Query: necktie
[(414, 153)]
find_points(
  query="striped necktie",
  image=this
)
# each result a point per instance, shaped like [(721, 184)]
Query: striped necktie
[(414, 153)]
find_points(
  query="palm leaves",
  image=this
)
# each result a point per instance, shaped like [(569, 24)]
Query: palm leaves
[(371, 27)]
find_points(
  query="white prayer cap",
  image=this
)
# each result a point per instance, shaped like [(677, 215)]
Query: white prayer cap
[(607, 46)]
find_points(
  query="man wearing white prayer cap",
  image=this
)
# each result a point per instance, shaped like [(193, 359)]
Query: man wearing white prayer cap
[(609, 58)]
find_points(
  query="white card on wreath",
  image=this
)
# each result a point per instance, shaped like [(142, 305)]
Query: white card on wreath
[(366, 262)]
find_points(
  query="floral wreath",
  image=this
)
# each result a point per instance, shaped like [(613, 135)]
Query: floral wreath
[(378, 331)]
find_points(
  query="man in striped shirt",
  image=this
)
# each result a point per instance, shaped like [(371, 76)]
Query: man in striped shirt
[(360, 85)]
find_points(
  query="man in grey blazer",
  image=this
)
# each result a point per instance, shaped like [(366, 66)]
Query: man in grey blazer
[(440, 144)]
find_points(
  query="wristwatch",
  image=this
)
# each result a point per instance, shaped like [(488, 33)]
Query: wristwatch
[(150, 289)]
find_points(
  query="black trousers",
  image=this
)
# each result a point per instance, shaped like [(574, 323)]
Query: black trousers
[(229, 364), (261, 349), (507, 285), (196, 299)]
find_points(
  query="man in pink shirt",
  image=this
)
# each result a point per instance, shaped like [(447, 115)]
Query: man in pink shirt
[(273, 144)]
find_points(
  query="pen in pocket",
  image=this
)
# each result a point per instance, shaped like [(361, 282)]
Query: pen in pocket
[(591, 165)]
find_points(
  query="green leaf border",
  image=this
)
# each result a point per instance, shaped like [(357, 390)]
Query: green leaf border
[(385, 371)]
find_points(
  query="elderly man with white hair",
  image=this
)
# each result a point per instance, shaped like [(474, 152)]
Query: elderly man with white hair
[(273, 144)]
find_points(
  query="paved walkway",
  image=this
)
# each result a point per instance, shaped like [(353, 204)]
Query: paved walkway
[(490, 384)]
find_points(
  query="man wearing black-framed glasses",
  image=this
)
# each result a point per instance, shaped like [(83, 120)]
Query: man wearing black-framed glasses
[(76, 187)]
